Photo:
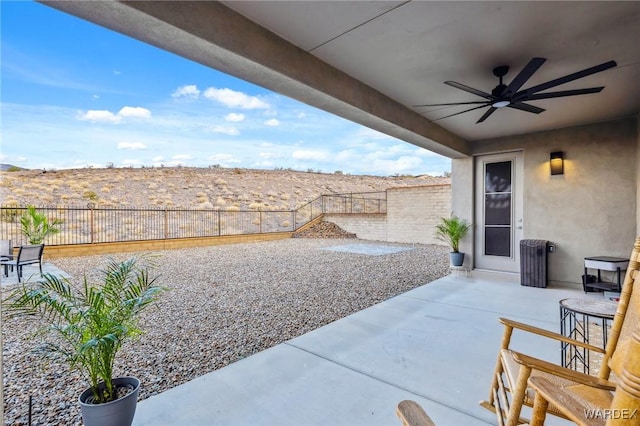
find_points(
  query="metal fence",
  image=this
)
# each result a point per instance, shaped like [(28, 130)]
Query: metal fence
[(86, 225)]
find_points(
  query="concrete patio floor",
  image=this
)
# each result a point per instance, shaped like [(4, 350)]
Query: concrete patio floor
[(436, 344)]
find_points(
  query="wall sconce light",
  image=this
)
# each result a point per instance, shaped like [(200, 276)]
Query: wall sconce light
[(556, 161)]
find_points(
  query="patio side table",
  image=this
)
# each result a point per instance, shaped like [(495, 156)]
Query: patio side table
[(604, 263), (575, 317)]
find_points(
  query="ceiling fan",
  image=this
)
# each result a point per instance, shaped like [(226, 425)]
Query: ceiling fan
[(512, 97)]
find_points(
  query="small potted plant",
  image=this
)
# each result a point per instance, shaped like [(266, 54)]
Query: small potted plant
[(89, 324), (451, 230)]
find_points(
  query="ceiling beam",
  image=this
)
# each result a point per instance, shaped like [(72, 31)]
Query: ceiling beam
[(216, 36)]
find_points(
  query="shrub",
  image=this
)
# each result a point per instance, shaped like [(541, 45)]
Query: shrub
[(36, 226)]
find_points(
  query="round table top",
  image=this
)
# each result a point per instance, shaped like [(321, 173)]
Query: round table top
[(594, 307)]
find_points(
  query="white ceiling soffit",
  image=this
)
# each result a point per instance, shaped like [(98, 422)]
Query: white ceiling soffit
[(407, 50)]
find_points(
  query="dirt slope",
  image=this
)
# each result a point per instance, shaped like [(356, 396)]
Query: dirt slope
[(226, 189)]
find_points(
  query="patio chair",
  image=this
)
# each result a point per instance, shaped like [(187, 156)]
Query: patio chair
[(412, 414), (586, 405), (6, 254), (27, 255), (509, 391)]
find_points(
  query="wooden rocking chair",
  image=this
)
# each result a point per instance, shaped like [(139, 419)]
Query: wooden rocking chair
[(586, 406), (509, 388)]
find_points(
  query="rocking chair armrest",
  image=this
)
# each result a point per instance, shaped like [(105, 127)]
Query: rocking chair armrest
[(412, 414), (550, 334), (564, 401), (565, 373)]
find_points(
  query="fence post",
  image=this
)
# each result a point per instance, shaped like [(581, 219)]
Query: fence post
[(219, 226), (260, 221), (166, 223), (90, 206)]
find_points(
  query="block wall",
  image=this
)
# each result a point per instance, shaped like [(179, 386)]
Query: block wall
[(365, 226), (414, 212)]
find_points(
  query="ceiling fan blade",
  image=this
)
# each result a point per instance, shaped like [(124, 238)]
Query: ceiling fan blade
[(524, 75), (563, 93), (567, 78), (486, 114), (461, 112), (469, 89), (526, 107), (454, 103)]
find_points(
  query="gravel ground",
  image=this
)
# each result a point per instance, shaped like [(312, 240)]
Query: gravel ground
[(224, 303)]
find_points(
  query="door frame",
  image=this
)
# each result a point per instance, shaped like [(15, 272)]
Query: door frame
[(510, 264)]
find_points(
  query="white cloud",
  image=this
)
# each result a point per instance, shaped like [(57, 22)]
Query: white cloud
[(99, 116), (226, 130), (272, 122), (132, 145), (135, 112), (223, 159), (234, 99), (189, 91), (311, 155), (234, 117), (105, 116), (158, 158)]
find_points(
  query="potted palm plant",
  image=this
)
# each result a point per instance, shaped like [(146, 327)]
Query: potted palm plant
[(86, 325), (451, 230)]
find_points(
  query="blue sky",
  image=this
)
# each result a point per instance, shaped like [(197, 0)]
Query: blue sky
[(76, 95)]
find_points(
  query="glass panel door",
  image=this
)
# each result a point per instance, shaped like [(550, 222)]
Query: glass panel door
[(498, 213)]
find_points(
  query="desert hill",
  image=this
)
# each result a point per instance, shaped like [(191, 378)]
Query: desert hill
[(183, 187)]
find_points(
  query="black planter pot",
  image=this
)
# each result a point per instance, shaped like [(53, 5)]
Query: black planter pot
[(119, 412), (456, 258)]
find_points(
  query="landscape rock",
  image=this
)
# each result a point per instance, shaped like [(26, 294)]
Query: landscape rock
[(324, 229), (222, 304)]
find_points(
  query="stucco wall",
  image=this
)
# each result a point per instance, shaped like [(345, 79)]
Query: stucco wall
[(414, 212), (462, 201), (592, 208)]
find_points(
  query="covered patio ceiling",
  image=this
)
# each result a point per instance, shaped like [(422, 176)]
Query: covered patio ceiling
[(372, 61)]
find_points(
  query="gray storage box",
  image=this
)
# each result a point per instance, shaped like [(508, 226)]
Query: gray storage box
[(533, 263)]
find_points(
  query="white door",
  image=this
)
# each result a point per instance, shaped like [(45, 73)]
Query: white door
[(499, 226)]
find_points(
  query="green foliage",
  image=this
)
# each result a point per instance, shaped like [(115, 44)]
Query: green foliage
[(14, 169), (36, 226), (9, 214), (92, 323), (90, 195), (451, 230)]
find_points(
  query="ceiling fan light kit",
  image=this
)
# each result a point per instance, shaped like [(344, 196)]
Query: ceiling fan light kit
[(511, 96)]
